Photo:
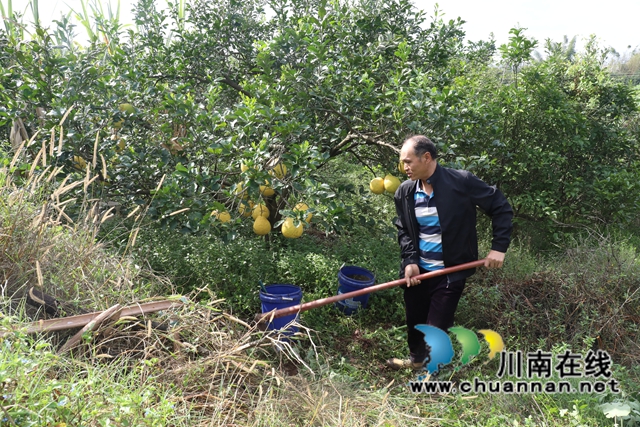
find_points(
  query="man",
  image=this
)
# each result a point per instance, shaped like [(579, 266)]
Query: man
[(436, 224)]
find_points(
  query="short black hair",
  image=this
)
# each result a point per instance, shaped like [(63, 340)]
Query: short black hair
[(421, 145)]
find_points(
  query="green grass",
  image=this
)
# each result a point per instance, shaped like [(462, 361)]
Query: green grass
[(41, 388)]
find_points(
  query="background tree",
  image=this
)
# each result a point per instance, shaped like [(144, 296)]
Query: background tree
[(565, 150), (627, 67)]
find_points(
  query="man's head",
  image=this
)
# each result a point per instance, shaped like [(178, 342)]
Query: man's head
[(418, 155)]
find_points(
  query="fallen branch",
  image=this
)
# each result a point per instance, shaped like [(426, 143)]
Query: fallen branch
[(112, 312), (83, 319)]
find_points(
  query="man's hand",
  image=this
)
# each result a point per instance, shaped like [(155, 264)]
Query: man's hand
[(410, 271), (495, 259)]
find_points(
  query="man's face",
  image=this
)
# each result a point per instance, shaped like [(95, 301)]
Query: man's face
[(415, 167)]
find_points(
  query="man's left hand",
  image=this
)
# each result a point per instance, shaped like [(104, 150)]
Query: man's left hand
[(495, 259)]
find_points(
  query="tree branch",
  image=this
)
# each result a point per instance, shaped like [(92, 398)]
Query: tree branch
[(372, 141), (363, 162), (336, 150), (226, 80), (339, 114)]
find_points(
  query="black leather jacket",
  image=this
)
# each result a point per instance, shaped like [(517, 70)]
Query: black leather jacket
[(459, 192)]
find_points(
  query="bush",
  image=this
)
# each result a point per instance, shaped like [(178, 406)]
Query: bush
[(234, 269)]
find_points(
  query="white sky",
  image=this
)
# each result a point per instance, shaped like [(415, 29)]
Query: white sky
[(614, 22)]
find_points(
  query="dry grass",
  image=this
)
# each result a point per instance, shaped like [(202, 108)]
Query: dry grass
[(205, 351), (43, 246), (592, 292)]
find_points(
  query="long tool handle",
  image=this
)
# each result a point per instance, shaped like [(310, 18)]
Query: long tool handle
[(260, 317)]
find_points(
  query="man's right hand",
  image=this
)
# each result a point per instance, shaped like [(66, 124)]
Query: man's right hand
[(410, 271)]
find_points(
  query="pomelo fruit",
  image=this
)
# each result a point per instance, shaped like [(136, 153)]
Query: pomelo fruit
[(391, 184), (290, 231), (377, 185), (261, 226)]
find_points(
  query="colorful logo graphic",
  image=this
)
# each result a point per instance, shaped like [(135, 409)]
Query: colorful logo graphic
[(496, 345), (441, 348)]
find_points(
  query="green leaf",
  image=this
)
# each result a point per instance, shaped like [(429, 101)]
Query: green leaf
[(615, 409)]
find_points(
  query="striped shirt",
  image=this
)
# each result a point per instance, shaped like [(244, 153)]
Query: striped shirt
[(430, 231)]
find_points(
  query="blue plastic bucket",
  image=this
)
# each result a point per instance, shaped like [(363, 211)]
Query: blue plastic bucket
[(352, 278), (279, 296)]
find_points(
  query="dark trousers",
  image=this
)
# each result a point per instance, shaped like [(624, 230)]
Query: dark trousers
[(432, 302)]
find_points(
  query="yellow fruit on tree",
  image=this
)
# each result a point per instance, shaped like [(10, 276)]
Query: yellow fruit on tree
[(222, 217), (240, 191), (290, 231), (261, 226), (391, 184), (127, 108), (267, 191), (260, 210), (79, 163), (303, 208), (377, 185), (401, 167), (244, 167), (280, 170), (245, 209)]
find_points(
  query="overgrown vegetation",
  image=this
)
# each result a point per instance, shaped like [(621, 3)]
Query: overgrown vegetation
[(221, 372), (114, 155)]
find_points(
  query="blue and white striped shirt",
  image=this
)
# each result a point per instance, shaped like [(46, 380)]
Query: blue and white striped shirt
[(430, 231)]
